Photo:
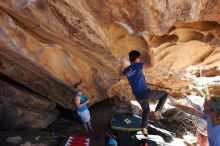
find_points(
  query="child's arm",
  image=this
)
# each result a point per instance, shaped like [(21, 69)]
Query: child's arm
[(186, 109)]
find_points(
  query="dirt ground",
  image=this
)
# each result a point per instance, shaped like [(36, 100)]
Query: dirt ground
[(101, 114)]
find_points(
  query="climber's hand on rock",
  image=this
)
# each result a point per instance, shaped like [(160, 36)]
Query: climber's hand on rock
[(123, 63)]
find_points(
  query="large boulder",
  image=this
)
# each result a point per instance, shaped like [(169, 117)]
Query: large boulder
[(49, 45), (11, 93), (21, 108)]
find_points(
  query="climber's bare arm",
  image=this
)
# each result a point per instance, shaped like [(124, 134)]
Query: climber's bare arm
[(186, 109), (190, 110), (121, 68), (150, 59)]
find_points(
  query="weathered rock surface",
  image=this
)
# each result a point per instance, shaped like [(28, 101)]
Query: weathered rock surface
[(27, 73), (20, 108), (11, 94), (49, 45), (14, 140), (16, 117), (29, 138)]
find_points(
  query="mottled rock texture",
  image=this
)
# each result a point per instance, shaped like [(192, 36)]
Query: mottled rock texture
[(21, 108), (48, 45)]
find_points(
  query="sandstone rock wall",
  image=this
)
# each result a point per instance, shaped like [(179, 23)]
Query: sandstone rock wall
[(20, 108), (48, 45)]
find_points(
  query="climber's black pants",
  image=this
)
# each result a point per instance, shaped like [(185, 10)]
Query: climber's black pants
[(150, 95)]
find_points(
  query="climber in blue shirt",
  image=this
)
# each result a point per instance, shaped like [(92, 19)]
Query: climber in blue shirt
[(140, 89)]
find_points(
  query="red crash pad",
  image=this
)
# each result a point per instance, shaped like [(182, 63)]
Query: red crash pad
[(77, 141)]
